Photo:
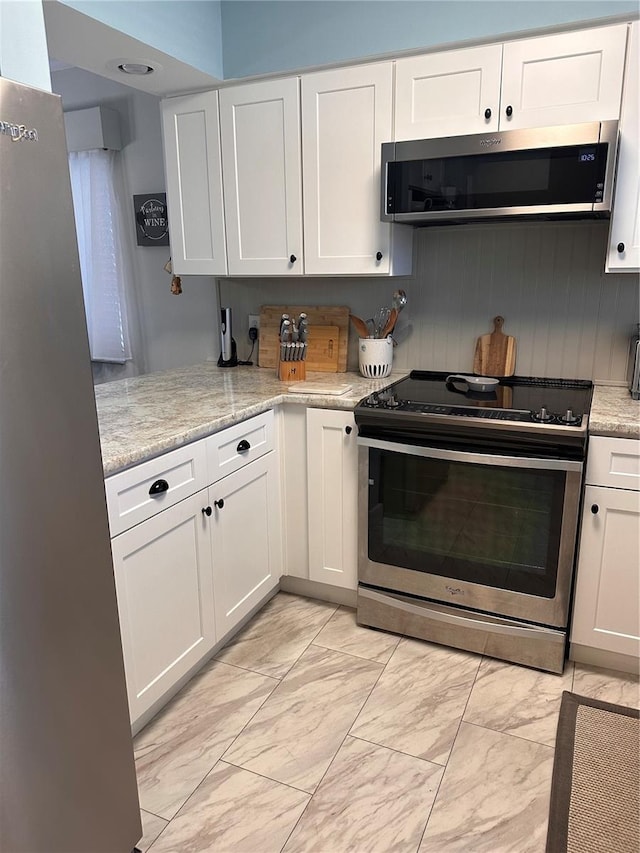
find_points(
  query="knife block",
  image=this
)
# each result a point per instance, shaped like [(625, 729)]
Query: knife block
[(292, 371)]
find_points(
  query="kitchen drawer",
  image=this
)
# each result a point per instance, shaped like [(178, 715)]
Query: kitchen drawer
[(230, 449), (614, 462), (129, 496)]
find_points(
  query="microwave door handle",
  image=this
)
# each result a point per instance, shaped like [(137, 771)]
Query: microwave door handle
[(472, 458)]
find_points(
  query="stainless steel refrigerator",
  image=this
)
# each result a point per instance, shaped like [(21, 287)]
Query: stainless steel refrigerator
[(67, 778)]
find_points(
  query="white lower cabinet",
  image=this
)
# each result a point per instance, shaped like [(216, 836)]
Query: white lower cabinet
[(187, 575), (164, 585), (332, 466), (606, 615), (245, 527)]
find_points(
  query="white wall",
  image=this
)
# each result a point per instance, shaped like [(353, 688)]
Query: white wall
[(175, 330), (570, 319)]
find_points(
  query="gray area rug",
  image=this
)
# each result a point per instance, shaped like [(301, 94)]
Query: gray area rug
[(595, 790)]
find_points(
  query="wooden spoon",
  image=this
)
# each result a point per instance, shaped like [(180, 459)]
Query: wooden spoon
[(360, 326)]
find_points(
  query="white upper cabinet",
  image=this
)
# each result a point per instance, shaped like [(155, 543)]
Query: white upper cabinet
[(449, 93), (260, 130), (624, 234), (346, 116), (567, 78), (191, 131)]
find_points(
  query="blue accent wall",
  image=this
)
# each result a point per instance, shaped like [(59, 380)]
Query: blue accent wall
[(23, 44), (267, 36), (189, 30)]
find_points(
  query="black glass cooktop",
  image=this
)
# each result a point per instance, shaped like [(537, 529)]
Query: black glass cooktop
[(556, 402)]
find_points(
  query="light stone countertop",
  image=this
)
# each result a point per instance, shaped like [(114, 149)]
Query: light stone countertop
[(145, 416), (614, 413)]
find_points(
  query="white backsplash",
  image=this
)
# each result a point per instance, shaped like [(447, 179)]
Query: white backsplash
[(547, 279)]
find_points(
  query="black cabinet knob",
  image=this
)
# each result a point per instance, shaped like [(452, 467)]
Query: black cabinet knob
[(620, 248), (292, 259), (219, 504), (487, 113), (595, 509), (378, 256), (158, 488), (509, 110), (206, 510), (348, 430), (243, 446)]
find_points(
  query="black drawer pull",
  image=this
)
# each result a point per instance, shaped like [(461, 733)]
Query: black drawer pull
[(595, 509), (158, 488), (206, 510), (348, 430), (243, 446), (219, 504)]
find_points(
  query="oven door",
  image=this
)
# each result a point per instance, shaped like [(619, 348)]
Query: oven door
[(490, 532)]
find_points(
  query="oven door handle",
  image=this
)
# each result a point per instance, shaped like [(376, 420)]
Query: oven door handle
[(473, 458), (479, 622)]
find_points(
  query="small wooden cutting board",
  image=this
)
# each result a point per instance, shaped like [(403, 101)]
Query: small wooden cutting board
[(495, 354)]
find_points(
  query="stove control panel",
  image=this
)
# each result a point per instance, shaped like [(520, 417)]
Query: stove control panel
[(389, 401)]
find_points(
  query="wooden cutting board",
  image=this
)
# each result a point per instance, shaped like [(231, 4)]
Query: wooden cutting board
[(495, 354), (328, 336)]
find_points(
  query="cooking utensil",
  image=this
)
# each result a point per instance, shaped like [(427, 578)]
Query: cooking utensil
[(380, 321), (360, 326), (399, 300), (495, 354), (393, 316), (485, 384)]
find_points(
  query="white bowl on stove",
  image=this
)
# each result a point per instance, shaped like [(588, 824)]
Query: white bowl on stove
[(474, 383)]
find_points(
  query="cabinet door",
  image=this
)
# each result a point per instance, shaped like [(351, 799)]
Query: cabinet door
[(607, 599), (260, 126), (246, 539), (563, 79), (448, 93), (191, 132), (346, 116), (332, 462), (165, 599), (624, 235)]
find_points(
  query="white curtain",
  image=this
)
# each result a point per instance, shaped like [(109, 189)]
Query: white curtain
[(104, 263)]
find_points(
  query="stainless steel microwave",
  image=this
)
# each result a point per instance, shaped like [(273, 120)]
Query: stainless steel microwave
[(548, 172)]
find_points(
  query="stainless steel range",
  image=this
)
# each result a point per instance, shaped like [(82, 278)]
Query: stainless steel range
[(468, 512)]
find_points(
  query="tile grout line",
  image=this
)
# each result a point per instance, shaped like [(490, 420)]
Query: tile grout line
[(279, 681), (453, 743), (373, 686)]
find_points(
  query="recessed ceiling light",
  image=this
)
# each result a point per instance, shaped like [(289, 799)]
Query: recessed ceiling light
[(135, 68)]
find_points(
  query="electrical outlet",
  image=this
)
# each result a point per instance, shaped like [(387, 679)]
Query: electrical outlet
[(254, 321)]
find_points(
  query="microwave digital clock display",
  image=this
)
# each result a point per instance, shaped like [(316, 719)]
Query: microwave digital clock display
[(587, 155)]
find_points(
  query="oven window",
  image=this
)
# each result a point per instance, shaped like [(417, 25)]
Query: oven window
[(491, 525)]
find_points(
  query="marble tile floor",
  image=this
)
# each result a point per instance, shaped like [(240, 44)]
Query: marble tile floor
[(310, 733)]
